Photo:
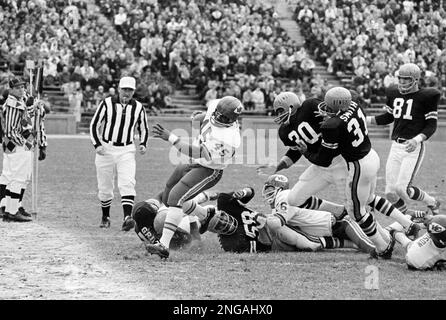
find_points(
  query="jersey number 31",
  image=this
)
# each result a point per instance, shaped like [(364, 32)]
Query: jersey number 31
[(354, 126)]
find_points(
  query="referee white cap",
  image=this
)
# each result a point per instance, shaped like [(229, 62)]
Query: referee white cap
[(127, 82)]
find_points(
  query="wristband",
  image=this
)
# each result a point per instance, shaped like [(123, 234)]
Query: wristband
[(369, 119), (418, 138), (173, 139)]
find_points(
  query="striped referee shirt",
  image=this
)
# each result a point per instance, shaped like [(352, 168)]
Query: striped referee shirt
[(117, 123), (16, 117)]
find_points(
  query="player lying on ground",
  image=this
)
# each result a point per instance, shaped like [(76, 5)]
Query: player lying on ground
[(238, 229), (427, 252)]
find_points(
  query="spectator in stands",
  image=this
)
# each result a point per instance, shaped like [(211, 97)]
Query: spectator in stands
[(258, 97), (211, 93), (99, 95), (88, 98), (247, 99)]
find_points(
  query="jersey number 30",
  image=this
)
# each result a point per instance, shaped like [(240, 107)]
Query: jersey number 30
[(353, 125)]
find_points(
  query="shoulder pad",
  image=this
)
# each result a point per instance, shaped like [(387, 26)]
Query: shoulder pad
[(392, 90), (331, 123), (430, 92), (311, 103)]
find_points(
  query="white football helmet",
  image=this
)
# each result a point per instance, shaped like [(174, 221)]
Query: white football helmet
[(285, 105), (408, 71), (272, 186), (336, 100)]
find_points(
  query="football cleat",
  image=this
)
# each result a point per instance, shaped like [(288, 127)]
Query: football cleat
[(157, 248), (195, 231), (128, 223), (24, 212), (18, 217), (205, 224), (387, 253), (435, 209), (413, 230), (105, 222)]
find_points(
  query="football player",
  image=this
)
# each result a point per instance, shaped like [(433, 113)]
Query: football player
[(301, 121), (345, 132), (413, 112), (305, 229), (210, 153), (428, 252)]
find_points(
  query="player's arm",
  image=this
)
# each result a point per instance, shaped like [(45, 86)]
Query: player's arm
[(198, 116), (97, 119), (383, 118), (430, 123), (328, 149), (244, 195), (431, 117), (185, 147), (143, 128), (290, 158)]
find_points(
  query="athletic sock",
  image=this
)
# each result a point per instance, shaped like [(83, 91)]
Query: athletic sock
[(368, 225), (400, 205), (191, 207), (311, 203), (105, 206), (173, 219), (417, 194), (127, 204), (385, 207)]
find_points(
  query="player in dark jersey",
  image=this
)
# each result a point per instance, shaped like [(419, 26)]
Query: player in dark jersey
[(345, 132), (301, 121), (413, 112)]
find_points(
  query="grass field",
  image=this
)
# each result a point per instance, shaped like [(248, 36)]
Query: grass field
[(64, 255)]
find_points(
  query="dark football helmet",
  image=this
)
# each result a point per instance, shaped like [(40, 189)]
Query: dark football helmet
[(437, 230), (285, 105), (336, 100), (227, 111)]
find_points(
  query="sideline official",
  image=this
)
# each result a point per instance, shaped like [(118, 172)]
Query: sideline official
[(112, 131)]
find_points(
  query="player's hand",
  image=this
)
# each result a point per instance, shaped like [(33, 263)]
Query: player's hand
[(239, 194), (42, 153), (301, 146), (266, 169), (100, 150), (260, 219), (195, 113), (411, 145), (160, 132)]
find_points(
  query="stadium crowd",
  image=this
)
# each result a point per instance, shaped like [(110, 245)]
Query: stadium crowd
[(166, 45), (369, 40)]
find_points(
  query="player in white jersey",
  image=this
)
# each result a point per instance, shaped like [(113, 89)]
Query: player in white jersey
[(307, 229), (210, 153), (427, 252)]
